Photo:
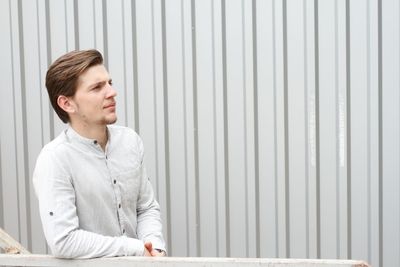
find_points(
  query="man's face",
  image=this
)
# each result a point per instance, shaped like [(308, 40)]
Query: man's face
[(94, 98)]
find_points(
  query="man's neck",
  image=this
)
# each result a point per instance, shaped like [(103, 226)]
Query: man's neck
[(96, 132)]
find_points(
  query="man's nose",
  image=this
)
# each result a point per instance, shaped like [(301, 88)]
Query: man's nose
[(111, 92)]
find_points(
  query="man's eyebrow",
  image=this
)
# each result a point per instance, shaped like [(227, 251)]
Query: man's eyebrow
[(99, 83)]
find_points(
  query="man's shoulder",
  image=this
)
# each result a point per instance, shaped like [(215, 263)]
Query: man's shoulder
[(54, 146), (51, 152)]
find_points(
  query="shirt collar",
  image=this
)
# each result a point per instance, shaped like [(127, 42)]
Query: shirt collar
[(73, 135)]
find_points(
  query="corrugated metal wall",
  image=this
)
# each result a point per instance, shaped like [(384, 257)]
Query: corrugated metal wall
[(271, 127)]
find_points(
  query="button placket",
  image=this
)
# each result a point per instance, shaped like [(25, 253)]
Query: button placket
[(118, 202), (120, 212), (117, 193)]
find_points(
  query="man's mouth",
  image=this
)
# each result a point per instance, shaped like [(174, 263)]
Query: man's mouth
[(112, 105)]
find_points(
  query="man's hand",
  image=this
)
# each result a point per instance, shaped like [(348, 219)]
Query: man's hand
[(148, 247), (153, 252)]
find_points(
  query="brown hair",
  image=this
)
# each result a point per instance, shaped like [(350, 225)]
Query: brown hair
[(62, 76)]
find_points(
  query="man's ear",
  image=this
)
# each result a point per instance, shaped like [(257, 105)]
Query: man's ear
[(66, 104)]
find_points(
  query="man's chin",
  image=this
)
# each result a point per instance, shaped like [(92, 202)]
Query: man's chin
[(111, 120)]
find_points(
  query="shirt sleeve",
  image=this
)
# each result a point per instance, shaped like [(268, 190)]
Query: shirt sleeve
[(149, 224), (56, 196)]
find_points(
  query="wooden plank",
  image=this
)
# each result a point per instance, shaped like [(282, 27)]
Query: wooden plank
[(46, 260), (10, 245)]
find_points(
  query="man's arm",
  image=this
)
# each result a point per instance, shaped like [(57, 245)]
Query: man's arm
[(149, 225)]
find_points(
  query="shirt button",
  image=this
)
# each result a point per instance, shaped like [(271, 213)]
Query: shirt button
[(115, 181), (119, 205), (95, 142)]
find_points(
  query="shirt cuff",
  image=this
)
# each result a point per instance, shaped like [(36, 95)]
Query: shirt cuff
[(133, 247)]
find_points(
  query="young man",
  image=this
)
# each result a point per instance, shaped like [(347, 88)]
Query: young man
[(95, 198)]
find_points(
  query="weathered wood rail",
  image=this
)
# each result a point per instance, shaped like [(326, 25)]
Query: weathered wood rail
[(10, 245), (35, 260)]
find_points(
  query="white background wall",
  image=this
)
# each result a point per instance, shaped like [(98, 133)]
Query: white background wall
[(271, 127)]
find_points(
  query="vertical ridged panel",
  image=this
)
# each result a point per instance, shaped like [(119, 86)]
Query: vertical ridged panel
[(390, 132), (271, 128)]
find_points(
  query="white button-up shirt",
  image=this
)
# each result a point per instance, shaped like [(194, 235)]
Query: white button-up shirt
[(96, 203)]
